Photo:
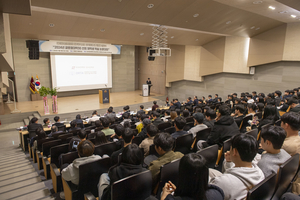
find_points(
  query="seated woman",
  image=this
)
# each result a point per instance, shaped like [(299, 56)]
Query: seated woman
[(251, 109), (270, 116), (132, 158), (173, 117), (100, 138), (40, 135), (192, 169)]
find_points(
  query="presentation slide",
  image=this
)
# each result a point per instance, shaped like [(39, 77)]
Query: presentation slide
[(81, 72)]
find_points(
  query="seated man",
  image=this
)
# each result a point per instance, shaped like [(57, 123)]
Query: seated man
[(143, 133), (74, 142), (154, 106), (73, 126), (57, 121), (85, 152), (198, 124), (177, 104), (290, 122), (141, 111), (46, 122), (54, 130), (163, 145), (156, 118), (243, 175), (94, 117), (125, 118), (34, 124), (272, 138), (189, 102), (117, 137), (127, 137), (179, 123), (250, 99), (196, 101), (167, 116), (294, 105), (106, 130), (126, 109), (145, 144), (210, 116), (239, 114), (110, 112)]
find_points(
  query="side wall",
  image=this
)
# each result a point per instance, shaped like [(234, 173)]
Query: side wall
[(123, 71), (267, 78)]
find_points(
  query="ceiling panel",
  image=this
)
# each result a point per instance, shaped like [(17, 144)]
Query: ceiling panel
[(291, 3), (21, 7)]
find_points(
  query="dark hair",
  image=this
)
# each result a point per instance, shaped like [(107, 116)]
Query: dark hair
[(45, 120), (238, 100), (292, 119), (275, 134), (186, 113), (152, 130), (155, 114), (216, 95), (192, 168), (240, 108), (178, 111), (110, 110), (180, 122), (94, 112), (270, 112), (254, 92), (209, 96), (261, 99), (251, 106), (246, 145), (189, 98), (56, 118), (54, 129), (249, 95), (293, 100), (220, 99), (132, 154), (168, 112), (73, 124), (33, 120), (260, 107), (78, 116), (127, 135), (82, 134), (100, 138), (278, 92), (198, 110), (196, 97), (105, 122), (97, 123), (85, 148), (164, 141), (125, 115), (126, 124), (154, 102), (119, 129), (126, 108), (224, 110), (40, 133), (141, 106), (211, 113)]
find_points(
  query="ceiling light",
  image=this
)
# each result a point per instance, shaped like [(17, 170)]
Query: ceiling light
[(257, 2), (186, 21), (228, 22), (196, 15), (92, 29), (102, 30), (253, 27), (197, 39), (272, 7), (150, 5), (257, 28), (283, 12), (293, 16), (30, 23), (51, 25), (142, 34), (120, 1), (172, 37)]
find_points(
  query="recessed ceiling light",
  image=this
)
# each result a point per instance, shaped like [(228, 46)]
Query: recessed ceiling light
[(257, 2), (293, 16), (253, 27), (30, 23), (196, 15), (92, 29), (172, 37), (272, 7), (257, 28), (120, 0), (102, 30), (197, 39), (228, 22), (142, 34), (283, 12), (51, 25), (186, 21), (150, 5)]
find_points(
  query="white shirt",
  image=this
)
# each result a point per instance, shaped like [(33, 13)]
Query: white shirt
[(250, 101)]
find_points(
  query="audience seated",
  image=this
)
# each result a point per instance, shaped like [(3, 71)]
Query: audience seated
[(167, 116), (147, 142), (141, 111), (177, 104), (54, 130), (185, 113), (163, 145), (143, 133), (57, 121), (156, 118), (290, 122), (251, 109), (117, 137), (238, 116), (173, 115), (250, 99), (106, 130), (33, 126), (46, 122), (94, 117), (210, 116), (196, 101), (198, 124), (294, 105), (126, 109), (74, 142), (73, 126), (243, 175), (110, 113), (140, 126), (131, 160), (127, 137), (40, 135), (78, 119), (100, 138), (155, 106), (125, 116), (189, 102), (270, 116), (179, 124)]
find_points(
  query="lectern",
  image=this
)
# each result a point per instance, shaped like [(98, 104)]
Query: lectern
[(104, 96), (145, 90)]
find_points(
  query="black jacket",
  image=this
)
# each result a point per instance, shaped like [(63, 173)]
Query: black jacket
[(239, 119), (210, 123), (32, 128), (157, 121), (223, 129), (141, 112), (295, 109)]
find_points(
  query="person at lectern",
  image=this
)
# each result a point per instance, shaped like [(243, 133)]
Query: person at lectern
[(149, 83)]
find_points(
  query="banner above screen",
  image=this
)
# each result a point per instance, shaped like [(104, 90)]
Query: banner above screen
[(78, 47)]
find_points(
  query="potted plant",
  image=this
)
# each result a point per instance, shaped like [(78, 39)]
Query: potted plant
[(53, 93), (43, 91)]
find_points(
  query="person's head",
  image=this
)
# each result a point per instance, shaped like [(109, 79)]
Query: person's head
[(249, 96), (209, 96), (219, 99), (97, 123), (185, 113), (293, 102), (230, 96), (254, 93), (251, 107), (210, 114), (195, 97), (243, 148), (260, 107), (56, 119), (148, 79), (73, 124), (237, 101), (127, 135), (270, 112), (163, 143), (203, 98), (125, 108), (198, 110), (132, 154), (224, 110), (155, 115), (34, 120), (126, 124), (180, 122), (198, 118), (192, 168), (40, 133), (175, 100), (94, 113), (82, 134), (239, 109), (234, 95), (46, 121), (277, 93), (125, 115), (272, 137), (105, 122), (216, 95), (178, 111), (154, 102), (290, 122), (109, 110), (173, 115), (146, 122), (78, 116), (287, 92), (291, 92), (141, 107), (54, 129), (100, 138), (152, 130), (167, 113), (189, 98), (119, 130), (85, 148), (261, 99)]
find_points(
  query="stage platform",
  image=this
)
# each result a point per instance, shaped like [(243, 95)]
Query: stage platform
[(83, 103)]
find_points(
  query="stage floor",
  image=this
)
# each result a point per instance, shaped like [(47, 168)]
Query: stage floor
[(82, 103)]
